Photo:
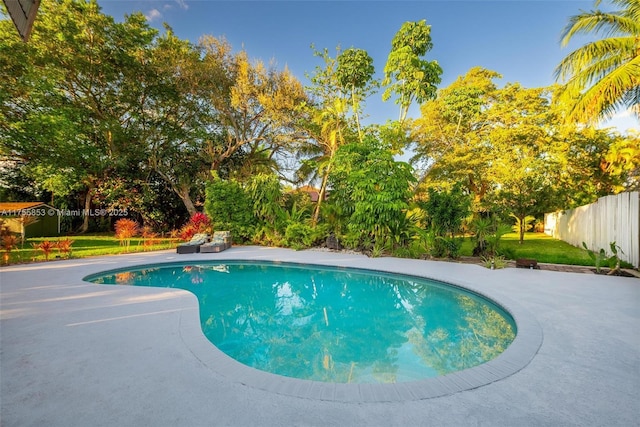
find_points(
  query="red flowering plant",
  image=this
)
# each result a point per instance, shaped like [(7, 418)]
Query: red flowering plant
[(198, 223), (126, 229), (64, 247), (46, 247)]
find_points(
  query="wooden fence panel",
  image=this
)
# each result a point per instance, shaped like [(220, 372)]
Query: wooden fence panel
[(611, 219)]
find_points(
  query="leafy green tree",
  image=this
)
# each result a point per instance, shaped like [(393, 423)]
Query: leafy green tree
[(603, 75), (407, 75), (623, 161), (326, 125), (174, 119), (77, 92), (256, 107), (509, 148), (373, 190), (354, 73), (592, 163), (451, 134)]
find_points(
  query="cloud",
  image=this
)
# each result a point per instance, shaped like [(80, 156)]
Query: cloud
[(623, 114), (182, 4), (153, 15), (624, 121)]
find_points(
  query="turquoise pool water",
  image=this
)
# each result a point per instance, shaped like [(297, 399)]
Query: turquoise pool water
[(334, 324)]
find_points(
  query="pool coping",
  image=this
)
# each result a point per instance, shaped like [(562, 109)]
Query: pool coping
[(517, 355)]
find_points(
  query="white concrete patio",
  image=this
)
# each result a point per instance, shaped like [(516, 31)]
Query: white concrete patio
[(74, 353)]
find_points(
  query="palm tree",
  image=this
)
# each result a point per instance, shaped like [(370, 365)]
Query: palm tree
[(602, 75), (326, 131)]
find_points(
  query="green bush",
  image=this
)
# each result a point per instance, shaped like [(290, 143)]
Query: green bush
[(230, 208), (446, 210), (298, 236), (447, 247)]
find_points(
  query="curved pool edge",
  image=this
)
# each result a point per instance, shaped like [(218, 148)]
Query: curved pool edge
[(517, 356)]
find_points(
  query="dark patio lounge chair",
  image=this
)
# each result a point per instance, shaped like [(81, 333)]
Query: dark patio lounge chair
[(193, 246), (221, 241)]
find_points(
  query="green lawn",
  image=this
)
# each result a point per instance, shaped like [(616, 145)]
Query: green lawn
[(539, 246), (87, 245)]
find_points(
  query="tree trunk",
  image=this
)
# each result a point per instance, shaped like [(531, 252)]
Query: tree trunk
[(522, 229), (183, 193), (321, 193), (87, 208)]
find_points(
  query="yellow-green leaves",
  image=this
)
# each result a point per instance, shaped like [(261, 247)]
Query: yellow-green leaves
[(603, 75)]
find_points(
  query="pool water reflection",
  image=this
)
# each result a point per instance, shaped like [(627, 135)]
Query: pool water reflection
[(334, 324)]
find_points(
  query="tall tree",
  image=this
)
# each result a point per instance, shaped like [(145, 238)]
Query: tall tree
[(81, 93), (407, 75), (175, 118), (509, 148), (602, 75), (354, 73), (451, 134), (256, 106), (326, 124)]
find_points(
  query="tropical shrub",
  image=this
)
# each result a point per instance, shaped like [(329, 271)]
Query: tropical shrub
[(198, 223), (300, 236), (265, 192), (372, 190), (445, 246), (266, 195), (64, 247), (445, 212), (494, 239), (230, 208), (8, 240), (126, 229), (45, 246), (481, 228)]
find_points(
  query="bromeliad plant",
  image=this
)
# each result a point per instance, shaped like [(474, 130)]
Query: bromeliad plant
[(64, 247), (125, 230), (198, 223), (46, 247)]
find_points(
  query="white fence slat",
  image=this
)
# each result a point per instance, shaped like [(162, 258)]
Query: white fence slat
[(613, 218)]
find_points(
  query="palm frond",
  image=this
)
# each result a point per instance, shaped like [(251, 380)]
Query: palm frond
[(595, 22), (605, 55), (602, 75), (610, 93)]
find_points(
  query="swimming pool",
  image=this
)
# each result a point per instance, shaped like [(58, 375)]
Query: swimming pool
[(334, 325)]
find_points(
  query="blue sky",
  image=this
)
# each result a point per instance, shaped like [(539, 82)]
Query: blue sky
[(518, 39)]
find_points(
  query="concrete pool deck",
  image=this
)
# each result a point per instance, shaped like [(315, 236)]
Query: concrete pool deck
[(74, 353)]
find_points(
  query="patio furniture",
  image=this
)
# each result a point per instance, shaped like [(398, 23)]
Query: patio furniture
[(221, 241), (193, 246)]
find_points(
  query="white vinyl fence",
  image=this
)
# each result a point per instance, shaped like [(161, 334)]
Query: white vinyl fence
[(610, 219)]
